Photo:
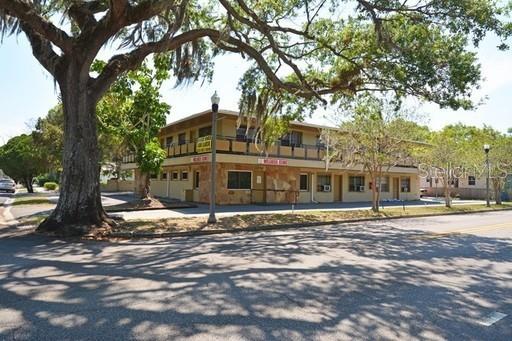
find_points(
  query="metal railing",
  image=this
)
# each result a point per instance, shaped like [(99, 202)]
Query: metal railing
[(232, 145)]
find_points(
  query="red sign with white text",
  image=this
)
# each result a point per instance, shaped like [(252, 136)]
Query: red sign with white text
[(273, 162), (202, 158)]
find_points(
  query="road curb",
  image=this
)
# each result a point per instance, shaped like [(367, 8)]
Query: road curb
[(148, 235)]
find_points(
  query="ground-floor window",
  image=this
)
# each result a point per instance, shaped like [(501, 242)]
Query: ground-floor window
[(405, 184), (184, 175), (174, 176), (471, 180), (304, 182), (196, 180), (153, 176), (164, 176), (239, 180), (323, 183), (356, 183), (383, 183)]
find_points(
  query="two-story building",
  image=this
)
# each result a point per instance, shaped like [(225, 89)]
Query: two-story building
[(292, 170)]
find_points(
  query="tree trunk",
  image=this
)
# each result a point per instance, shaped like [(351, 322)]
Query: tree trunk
[(447, 195), (79, 209), (143, 185), (28, 184), (497, 191), (375, 196)]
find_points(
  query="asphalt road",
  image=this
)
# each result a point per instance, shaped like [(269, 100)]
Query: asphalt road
[(430, 279)]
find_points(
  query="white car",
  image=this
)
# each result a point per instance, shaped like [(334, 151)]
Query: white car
[(7, 185)]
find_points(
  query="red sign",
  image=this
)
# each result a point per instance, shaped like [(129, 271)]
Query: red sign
[(273, 162), (202, 158)]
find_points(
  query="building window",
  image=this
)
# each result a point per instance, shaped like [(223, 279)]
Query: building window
[(471, 180), (153, 176), (405, 185), (304, 182), (182, 139), (184, 175), (383, 183), (239, 180), (196, 180), (174, 175), (242, 134), (356, 183), (168, 141), (323, 183), (205, 131), (292, 139), (164, 176)]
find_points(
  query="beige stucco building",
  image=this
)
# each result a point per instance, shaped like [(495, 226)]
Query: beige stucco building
[(292, 170)]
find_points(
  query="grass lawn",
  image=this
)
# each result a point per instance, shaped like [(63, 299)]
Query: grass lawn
[(30, 201), (255, 220)]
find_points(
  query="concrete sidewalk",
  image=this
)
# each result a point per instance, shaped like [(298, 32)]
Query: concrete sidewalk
[(202, 210)]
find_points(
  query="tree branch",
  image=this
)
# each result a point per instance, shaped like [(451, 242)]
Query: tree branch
[(42, 50), (25, 12)]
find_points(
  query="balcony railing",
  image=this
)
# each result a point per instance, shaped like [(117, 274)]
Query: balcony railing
[(232, 145)]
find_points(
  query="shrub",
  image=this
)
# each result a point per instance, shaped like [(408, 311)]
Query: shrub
[(42, 179), (50, 186)]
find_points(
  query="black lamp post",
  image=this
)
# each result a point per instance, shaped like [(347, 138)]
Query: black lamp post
[(486, 149), (215, 110)]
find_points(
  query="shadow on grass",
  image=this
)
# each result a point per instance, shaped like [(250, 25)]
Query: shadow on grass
[(354, 281)]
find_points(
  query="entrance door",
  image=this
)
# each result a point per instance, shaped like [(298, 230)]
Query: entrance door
[(338, 188), (258, 187), (396, 188)]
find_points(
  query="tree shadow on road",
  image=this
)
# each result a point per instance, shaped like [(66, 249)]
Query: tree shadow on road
[(351, 281)]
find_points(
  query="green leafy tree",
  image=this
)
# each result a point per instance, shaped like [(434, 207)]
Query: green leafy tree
[(48, 135), (132, 113), (310, 49), (376, 136), (454, 151), (21, 160), (500, 158)]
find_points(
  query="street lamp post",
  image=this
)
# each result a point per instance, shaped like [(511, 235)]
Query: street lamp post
[(486, 149), (215, 110)]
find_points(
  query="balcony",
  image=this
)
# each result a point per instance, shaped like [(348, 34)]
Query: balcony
[(230, 145)]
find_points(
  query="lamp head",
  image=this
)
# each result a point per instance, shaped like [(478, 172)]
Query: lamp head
[(487, 148), (215, 99)]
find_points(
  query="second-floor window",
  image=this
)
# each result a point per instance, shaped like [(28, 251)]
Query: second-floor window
[(205, 131), (242, 134), (292, 139), (168, 141), (182, 138)]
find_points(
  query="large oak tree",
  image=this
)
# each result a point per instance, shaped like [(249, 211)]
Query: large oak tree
[(309, 48)]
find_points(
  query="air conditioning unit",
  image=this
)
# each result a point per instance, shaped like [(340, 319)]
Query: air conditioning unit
[(361, 188), (327, 188)]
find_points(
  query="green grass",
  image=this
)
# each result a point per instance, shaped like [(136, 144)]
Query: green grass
[(300, 217), (30, 201)]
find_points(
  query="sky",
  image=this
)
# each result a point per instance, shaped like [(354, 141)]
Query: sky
[(27, 91)]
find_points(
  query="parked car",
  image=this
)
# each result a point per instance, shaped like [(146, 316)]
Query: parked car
[(423, 192), (7, 185)]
